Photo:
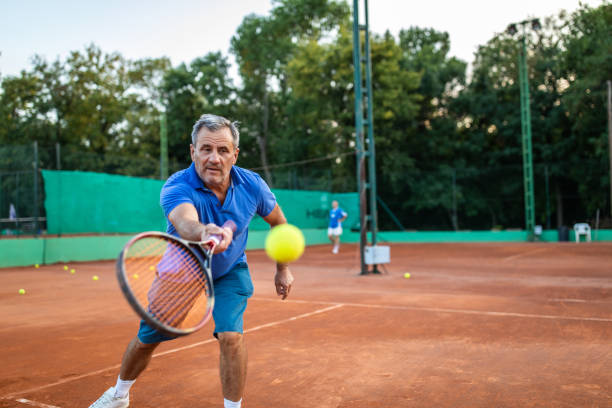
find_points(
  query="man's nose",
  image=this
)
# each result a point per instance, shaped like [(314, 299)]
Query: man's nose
[(214, 156)]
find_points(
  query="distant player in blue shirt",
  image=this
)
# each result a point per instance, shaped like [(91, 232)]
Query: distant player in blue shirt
[(196, 201), (334, 230)]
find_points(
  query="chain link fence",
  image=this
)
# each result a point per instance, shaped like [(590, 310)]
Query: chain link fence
[(442, 198)]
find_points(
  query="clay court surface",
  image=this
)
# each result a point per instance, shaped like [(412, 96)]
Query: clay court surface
[(477, 325)]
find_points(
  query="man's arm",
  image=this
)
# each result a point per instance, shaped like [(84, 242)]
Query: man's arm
[(185, 219), (275, 217), (283, 279)]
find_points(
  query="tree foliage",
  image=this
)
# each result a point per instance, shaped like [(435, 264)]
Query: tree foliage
[(448, 140)]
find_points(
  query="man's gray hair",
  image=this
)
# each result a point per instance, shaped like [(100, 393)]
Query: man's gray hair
[(215, 123)]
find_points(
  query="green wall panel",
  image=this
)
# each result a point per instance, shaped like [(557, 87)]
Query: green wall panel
[(30, 251), (78, 202), (84, 248), (21, 252)]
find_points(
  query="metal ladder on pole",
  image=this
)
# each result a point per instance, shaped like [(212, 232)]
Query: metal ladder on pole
[(366, 180), (527, 150)]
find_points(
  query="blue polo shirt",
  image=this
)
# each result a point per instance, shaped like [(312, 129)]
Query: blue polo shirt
[(247, 195), (335, 216)]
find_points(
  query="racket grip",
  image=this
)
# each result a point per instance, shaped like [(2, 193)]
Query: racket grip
[(216, 238)]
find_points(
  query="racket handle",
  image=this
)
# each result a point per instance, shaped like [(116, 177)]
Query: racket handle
[(216, 238)]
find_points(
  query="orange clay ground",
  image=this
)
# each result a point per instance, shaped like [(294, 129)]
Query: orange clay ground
[(476, 325)]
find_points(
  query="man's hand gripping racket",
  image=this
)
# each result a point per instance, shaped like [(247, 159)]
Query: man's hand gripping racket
[(168, 280)]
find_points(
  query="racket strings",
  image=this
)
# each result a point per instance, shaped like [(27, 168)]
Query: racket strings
[(171, 299), (177, 298), (168, 282)]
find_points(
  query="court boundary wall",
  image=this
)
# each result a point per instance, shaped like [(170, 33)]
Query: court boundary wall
[(50, 250)]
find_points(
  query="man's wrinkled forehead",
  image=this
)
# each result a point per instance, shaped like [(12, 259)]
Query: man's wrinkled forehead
[(219, 138)]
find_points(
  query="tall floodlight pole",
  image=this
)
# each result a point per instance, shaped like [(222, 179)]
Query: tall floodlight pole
[(370, 123), (364, 117), (526, 125), (360, 157)]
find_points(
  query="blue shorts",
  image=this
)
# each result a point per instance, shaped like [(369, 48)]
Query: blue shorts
[(232, 291)]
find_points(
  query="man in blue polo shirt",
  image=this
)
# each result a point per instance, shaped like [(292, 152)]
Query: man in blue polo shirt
[(196, 201)]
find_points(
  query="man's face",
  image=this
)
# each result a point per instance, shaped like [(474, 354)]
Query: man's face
[(334, 204), (214, 155)]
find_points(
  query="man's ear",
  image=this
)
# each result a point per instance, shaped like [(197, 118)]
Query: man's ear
[(236, 155)]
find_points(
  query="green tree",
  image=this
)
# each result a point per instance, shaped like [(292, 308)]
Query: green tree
[(262, 47), (567, 146), (431, 140), (588, 65), (96, 105), (18, 114)]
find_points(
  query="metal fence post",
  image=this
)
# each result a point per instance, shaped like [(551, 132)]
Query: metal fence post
[(58, 164), (36, 231)]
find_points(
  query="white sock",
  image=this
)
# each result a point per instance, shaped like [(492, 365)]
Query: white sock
[(123, 387), (231, 404)]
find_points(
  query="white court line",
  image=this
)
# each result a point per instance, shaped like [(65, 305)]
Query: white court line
[(523, 254), (460, 311), (252, 329), (578, 300), (78, 377), (34, 403), (569, 300)]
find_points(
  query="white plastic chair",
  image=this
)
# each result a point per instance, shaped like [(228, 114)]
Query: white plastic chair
[(582, 229)]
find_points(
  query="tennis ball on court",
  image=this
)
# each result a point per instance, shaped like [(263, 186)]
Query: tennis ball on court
[(95, 277), (36, 266), (22, 291), (72, 271), (151, 268), (135, 276), (406, 275), (65, 267), (285, 243)]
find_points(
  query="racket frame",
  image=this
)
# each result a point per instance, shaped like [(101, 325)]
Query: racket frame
[(204, 258)]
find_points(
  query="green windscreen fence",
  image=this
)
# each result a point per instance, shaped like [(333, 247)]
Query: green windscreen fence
[(82, 202)]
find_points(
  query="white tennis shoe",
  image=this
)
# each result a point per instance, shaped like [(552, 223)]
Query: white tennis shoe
[(108, 400)]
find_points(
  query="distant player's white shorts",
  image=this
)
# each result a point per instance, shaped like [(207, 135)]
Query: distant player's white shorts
[(335, 231)]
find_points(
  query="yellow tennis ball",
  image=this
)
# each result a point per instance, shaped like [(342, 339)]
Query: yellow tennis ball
[(65, 267), (135, 276), (37, 266), (95, 277), (406, 275), (285, 243), (72, 271), (22, 291)]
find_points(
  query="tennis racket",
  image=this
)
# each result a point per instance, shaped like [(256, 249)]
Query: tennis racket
[(168, 280)]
